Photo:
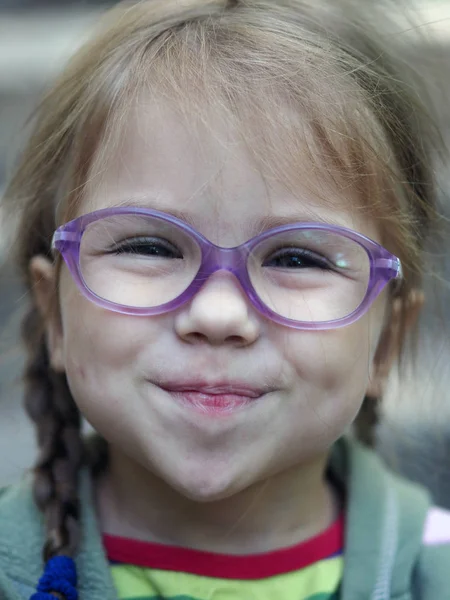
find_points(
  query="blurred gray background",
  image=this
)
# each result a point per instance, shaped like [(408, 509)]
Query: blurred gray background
[(36, 38)]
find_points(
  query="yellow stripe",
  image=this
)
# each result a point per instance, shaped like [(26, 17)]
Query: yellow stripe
[(134, 582)]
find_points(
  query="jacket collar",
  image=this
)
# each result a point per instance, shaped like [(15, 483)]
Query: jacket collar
[(385, 519)]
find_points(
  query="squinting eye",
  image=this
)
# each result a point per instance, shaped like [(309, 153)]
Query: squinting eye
[(298, 258), (147, 247)]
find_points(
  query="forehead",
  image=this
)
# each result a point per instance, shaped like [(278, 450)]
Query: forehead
[(221, 173)]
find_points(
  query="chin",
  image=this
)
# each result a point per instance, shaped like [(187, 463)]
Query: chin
[(205, 492), (206, 483)]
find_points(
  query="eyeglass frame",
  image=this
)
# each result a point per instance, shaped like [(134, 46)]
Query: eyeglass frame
[(384, 266)]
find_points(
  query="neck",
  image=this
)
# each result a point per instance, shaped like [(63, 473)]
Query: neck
[(280, 511)]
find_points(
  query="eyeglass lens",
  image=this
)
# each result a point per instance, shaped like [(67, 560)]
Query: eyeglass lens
[(308, 275)]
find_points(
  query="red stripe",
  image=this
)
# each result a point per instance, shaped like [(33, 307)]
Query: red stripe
[(225, 566)]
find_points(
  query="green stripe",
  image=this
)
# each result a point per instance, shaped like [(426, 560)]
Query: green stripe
[(135, 583), (165, 598), (315, 597)]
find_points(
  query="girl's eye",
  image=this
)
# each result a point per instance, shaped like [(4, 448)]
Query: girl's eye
[(298, 258), (147, 247)]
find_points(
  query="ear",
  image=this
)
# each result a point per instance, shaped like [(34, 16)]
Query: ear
[(42, 273), (403, 316)]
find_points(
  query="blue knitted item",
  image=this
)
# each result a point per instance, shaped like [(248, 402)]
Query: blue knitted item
[(60, 576)]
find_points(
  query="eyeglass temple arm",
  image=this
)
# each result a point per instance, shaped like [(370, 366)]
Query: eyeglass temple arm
[(392, 266), (64, 236)]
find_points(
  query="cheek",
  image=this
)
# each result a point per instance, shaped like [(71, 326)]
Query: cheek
[(102, 350), (94, 340), (331, 370), (327, 358)]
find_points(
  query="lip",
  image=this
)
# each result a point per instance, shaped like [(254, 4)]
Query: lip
[(216, 399), (215, 389)]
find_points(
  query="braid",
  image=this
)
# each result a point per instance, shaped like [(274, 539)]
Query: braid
[(50, 405)]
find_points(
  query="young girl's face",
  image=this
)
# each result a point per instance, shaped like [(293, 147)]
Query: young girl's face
[(308, 385)]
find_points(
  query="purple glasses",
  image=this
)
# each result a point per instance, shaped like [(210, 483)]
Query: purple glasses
[(143, 262)]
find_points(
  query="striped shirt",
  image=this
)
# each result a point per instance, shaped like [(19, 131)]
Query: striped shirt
[(311, 570)]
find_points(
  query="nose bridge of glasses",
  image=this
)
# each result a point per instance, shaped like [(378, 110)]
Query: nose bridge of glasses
[(226, 259), (229, 260)]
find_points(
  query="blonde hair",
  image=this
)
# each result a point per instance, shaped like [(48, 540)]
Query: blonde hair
[(302, 78)]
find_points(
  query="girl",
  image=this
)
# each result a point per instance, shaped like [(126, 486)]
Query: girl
[(222, 211)]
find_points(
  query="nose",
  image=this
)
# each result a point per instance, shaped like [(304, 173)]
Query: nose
[(219, 313)]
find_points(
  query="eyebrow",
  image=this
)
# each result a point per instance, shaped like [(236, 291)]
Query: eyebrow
[(272, 221), (265, 223), (147, 203)]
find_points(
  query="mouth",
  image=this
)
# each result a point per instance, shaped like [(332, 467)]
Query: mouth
[(214, 399)]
